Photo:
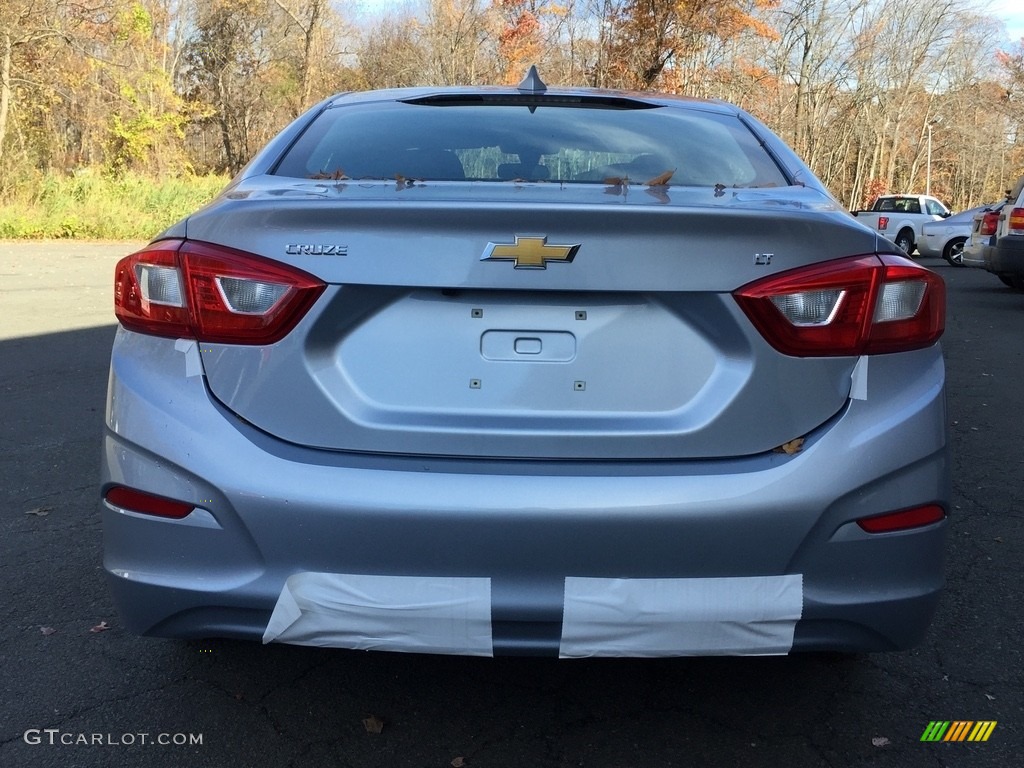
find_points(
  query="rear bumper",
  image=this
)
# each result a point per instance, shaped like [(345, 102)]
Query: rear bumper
[(268, 511), (1007, 256), (975, 252)]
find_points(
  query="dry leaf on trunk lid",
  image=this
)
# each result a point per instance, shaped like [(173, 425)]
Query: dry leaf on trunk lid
[(662, 180), (337, 175), (793, 446)]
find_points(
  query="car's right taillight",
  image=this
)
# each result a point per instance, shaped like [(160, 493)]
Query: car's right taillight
[(1016, 222), (989, 223), (860, 305), (188, 289)]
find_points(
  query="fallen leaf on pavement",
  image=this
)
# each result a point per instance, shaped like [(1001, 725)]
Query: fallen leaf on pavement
[(879, 741), (373, 724), (458, 762), (39, 511), (47, 630), (101, 627)]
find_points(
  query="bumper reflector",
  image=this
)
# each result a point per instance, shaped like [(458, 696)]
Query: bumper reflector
[(903, 520), (146, 503)]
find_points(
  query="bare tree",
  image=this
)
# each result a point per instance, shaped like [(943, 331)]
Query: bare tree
[(391, 54), (227, 66), (23, 23), (456, 36)]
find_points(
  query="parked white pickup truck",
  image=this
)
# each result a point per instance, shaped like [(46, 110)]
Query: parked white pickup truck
[(900, 217)]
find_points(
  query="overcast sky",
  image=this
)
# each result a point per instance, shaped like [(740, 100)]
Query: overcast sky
[(1012, 12)]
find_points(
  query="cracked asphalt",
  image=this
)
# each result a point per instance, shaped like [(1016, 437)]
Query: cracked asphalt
[(74, 697)]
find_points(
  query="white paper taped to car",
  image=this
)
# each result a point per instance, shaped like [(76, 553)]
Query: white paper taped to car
[(859, 379), (740, 616), (193, 363), (384, 613)]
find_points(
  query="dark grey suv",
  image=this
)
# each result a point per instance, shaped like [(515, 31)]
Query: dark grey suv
[(1006, 256), (997, 239)]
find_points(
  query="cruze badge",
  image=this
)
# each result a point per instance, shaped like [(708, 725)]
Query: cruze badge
[(315, 249), (529, 252)]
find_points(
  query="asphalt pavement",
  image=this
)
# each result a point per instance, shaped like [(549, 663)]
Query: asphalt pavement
[(77, 690)]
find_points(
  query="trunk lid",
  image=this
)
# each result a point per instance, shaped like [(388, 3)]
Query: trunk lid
[(627, 344)]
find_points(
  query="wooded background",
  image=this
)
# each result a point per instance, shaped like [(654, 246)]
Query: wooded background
[(165, 88)]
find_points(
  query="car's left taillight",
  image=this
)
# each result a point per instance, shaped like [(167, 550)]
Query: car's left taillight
[(860, 305), (188, 289)]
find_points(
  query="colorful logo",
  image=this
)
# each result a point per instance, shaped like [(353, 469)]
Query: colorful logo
[(958, 730), (529, 252)]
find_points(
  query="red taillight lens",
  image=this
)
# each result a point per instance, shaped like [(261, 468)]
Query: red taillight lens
[(989, 223), (883, 222), (211, 293), (145, 299), (1016, 222), (855, 306), (901, 521), (147, 503)]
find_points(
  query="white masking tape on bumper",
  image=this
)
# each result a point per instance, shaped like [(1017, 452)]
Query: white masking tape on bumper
[(384, 613), (680, 617)]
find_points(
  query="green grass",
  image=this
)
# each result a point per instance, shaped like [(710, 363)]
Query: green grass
[(91, 206)]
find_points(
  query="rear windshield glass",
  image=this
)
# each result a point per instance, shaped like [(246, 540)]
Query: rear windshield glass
[(504, 142)]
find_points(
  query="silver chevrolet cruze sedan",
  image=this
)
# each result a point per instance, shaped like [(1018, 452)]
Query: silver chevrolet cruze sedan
[(527, 370)]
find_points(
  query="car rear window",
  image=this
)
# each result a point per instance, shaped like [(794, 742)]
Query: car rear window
[(553, 142)]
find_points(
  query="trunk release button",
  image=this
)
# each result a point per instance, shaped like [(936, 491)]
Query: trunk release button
[(532, 346), (528, 346)]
